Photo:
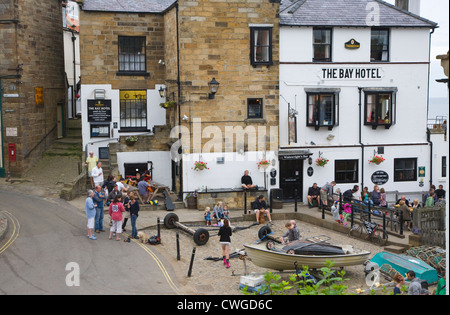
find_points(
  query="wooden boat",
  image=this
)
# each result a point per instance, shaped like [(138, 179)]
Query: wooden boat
[(278, 259)]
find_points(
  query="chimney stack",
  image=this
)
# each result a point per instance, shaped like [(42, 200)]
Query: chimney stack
[(412, 6)]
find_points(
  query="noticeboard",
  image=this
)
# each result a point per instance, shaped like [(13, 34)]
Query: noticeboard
[(99, 110), (380, 178)]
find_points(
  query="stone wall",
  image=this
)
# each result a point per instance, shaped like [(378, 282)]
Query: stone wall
[(34, 46)]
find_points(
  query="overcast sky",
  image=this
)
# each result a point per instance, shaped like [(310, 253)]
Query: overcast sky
[(436, 11)]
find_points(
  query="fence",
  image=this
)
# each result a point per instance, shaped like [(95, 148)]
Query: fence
[(429, 223)]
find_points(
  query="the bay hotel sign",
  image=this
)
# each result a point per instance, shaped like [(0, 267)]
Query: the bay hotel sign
[(352, 73)]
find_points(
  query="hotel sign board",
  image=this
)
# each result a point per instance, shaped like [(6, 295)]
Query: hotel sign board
[(354, 73), (99, 111), (352, 44)]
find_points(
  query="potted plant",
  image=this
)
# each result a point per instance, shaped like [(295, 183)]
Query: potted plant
[(321, 161), (199, 166), (168, 104), (191, 200), (377, 159), (263, 164), (131, 140)]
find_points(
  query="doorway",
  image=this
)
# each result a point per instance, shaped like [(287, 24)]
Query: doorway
[(291, 179)]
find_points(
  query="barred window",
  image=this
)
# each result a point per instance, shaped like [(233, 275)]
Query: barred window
[(132, 54), (133, 110)]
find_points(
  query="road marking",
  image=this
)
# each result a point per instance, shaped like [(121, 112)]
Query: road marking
[(158, 262), (15, 233)]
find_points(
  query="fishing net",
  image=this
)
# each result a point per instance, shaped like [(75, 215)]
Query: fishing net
[(388, 271), (432, 255)]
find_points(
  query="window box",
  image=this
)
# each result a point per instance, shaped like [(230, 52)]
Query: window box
[(379, 108), (322, 108)]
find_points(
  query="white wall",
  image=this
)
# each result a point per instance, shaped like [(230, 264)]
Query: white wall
[(227, 175)]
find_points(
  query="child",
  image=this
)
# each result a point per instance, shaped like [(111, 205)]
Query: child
[(115, 211), (226, 213), (225, 240), (335, 212), (207, 216)]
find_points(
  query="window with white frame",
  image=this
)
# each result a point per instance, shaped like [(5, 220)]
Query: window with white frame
[(322, 108)]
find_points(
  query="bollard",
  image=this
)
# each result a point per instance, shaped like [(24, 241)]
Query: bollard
[(271, 201), (178, 246), (384, 224), (159, 227), (295, 199), (352, 216), (401, 222), (245, 201), (192, 262)]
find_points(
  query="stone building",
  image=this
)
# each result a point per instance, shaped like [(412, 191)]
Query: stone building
[(32, 81), (178, 49)]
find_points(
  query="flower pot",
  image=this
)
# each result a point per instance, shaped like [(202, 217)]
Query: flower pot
[(201, 167), (191, 203), (130, 143)]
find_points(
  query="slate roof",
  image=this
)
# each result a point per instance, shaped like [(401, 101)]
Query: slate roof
[(351, 13), (136, 6)]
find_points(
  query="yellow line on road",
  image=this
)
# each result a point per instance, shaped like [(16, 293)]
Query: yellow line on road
[(158, 262), (15, 233)]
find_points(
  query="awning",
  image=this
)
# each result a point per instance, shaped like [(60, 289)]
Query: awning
[(294, 154)]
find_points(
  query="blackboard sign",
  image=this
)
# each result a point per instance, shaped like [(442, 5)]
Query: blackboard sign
[(99, 110), (310, 171), (380, 178)]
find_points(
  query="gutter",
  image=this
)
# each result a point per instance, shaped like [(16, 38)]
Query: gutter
[(180, 193)]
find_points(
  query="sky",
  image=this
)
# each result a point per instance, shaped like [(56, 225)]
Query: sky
[(436, 11)]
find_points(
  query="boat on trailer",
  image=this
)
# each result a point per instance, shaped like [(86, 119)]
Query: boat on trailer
[(314, 253)]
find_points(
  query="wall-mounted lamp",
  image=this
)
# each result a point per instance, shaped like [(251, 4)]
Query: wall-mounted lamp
[(330, 136), (213, 87), (310, 160), (99, 94), (162, 92)]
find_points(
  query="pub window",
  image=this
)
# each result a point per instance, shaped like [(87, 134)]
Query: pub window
[(322, 110), (322, 44), (405, 170), (261, 46), (379, 48), (254, 108), (133, 110), (379, 109), (132, 55), (444, 166), (346, 171), (100, 131)]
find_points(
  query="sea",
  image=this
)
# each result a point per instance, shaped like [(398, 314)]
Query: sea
[(438, 108)]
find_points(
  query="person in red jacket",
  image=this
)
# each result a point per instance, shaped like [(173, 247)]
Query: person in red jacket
[(115, 211)]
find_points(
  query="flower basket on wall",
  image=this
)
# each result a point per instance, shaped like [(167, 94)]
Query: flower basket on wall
[(322, 161), (168, 104), (191, 200), (131, 140), (377, 159), (263, 164), (200, 166)]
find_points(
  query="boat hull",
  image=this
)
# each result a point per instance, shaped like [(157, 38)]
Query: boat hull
[(270, 259)]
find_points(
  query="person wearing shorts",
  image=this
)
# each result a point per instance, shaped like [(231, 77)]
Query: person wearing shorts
[(225, 241), (115, 211), (90, 214)]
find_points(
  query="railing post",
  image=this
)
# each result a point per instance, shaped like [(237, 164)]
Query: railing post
[(245, 201), (384, 223), (271, 200), (295, 199), (401, 222)]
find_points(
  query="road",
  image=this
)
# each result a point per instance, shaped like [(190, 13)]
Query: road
[(46, 251)]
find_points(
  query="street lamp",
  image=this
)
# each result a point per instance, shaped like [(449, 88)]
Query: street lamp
[(213, 87)]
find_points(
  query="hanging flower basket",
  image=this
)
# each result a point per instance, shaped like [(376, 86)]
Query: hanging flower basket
[(322, 161), (168, 104), (263, 164), (199, 166), (377, 159), (131, 140)]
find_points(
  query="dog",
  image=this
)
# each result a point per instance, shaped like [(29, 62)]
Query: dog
[(143, 237)]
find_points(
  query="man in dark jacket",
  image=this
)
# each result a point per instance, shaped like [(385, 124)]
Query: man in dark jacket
[(260, 207), (313, 194)]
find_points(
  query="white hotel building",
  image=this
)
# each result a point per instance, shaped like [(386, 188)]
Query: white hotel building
[(354, 75)]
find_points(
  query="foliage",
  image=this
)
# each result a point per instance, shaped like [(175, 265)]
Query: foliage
[(168, 104), (322, 161), (377, 159), (263, 163), (331, 283), (131, 139), (191, 195), (199, 165)]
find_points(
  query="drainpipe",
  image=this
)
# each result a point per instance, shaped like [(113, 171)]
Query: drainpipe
[(428, 108), (180, 192), (360, 139)]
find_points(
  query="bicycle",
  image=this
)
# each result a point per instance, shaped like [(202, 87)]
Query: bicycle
[(374, 232)]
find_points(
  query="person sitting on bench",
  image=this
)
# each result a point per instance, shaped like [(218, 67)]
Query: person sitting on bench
[(313, 195), (260, 208), (247, 182)]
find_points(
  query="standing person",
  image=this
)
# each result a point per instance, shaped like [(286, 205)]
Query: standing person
[(313, 194), (91, 162), (126, 205), (406, 213), (207, 215), (97, 174), (99, 211), (383, 200), (90, 214), (325, 191), (415, 288), (134, 213), (115, 211), (400, 281), (430, 200), (225, 233), (440, 193), (246, 181)]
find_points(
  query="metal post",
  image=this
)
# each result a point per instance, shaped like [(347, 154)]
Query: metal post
[(351, 216), (271, 200), (384, 224), (192, 262), (159, 227), (178, 246), (245, 201), (369, 211), (401, 222), (295, 199)]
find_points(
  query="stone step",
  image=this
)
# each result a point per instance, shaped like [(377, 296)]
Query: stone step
[(396, 249)]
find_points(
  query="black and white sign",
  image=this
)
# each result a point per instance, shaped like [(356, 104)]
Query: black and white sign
[(380, 178), (351, 73), (99, 110)]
